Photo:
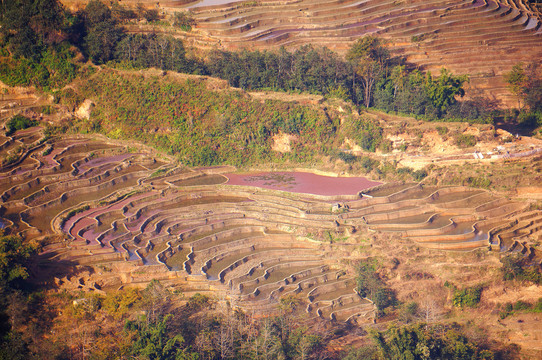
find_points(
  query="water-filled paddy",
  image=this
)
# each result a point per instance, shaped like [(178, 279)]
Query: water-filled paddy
[(212, 3), (301, 182)]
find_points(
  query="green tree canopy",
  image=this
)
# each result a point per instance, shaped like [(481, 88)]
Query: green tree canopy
[(420, 342), (153, 342), (369, 59), (516, 79), (103, 33), (13, 255), (27, 26), (443, 89)]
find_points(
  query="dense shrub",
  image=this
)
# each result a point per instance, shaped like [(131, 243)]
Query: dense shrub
[(520, 306), (55, 68), (465, 140), (19, 122), (469, 296), (344, 156), (419, 175), (14, 252), (365, 132), (69, 97)]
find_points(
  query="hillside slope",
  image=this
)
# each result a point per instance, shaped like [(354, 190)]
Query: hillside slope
[(113, 213)]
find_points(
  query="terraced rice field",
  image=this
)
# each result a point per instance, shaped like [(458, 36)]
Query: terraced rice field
[(482, 38), (192, 231)]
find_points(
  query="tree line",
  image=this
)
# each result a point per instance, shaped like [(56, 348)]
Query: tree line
[(369, 76)]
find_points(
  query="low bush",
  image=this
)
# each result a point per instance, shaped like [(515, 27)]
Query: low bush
[(47, 151), (478, 181), (442, 130), (118, 303), (469, 297), (184, 20), (520, 306), (369, 164), (465, 140), (347, 158), (417, 175)]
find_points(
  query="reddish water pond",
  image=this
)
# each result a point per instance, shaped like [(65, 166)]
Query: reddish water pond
[(301, 182), (205, 3)]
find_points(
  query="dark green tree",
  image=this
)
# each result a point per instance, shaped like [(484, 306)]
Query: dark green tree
[(96, 12), (516, 79), (14, 253), (151, 15), (102, 31), (153, 341), (368, 281), (442, 91), (122, 13), (369, 58), (27, 26)]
